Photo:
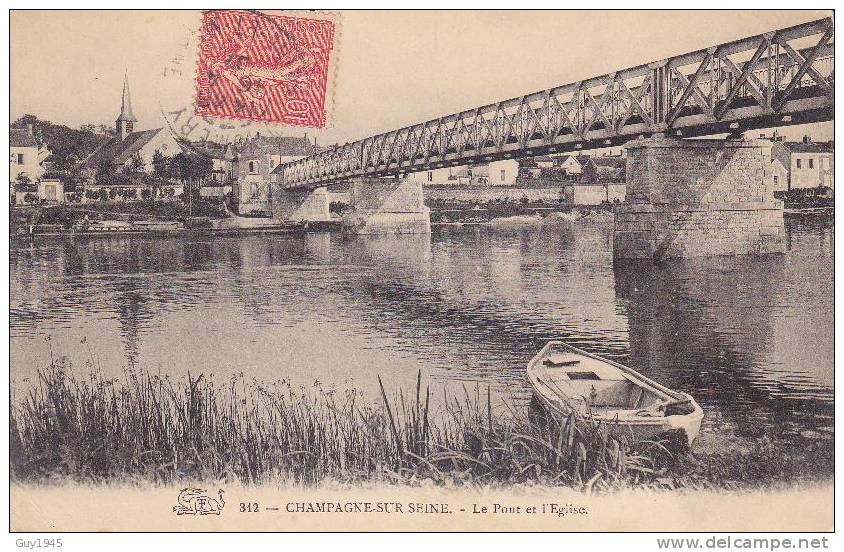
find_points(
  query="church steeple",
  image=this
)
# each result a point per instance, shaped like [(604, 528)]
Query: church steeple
[(126, 120)]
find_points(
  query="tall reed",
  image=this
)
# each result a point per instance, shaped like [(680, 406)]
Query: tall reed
[(160, 429)]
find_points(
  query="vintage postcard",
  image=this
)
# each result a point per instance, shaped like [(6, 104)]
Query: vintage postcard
[(318, 271)]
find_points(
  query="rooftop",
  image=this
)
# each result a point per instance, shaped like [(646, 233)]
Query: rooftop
[(212, 150), (21, 138), (810, 147), (117, 151)]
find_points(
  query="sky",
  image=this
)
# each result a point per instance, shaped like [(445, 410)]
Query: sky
[(392, 68)]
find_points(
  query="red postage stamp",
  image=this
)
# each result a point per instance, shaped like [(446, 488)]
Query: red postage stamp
[(264, 67)]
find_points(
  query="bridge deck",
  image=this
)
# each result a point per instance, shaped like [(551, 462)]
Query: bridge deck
[(778, 78)]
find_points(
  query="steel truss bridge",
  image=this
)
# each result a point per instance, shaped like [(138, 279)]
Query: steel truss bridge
[(777, 78)]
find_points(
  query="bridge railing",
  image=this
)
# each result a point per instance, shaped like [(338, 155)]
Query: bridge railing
[(780, 77)]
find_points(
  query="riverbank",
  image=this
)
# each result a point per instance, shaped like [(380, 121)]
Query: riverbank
[(148, 219), (161, 430)]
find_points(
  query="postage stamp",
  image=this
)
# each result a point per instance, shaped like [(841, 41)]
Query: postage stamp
[(264, 67)]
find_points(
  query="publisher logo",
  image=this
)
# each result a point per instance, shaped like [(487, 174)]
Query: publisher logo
[(197, 502)]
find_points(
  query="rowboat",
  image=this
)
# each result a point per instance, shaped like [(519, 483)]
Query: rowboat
[(566, 379)]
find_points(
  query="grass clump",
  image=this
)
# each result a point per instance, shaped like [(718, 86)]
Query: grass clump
[(159, 429)]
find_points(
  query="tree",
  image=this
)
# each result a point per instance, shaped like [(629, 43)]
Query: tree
[(30, 198), (136, 164), (201, 166), (68, 146), (160, 164), (191, 166), (23, 180), (104, 170), (180, 166)]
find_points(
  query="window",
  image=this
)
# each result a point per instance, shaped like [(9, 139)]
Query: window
[(503, 175), (811, 163), (255, 191), (430, 176), (252, 166), (20, 159), (776, 179), (272, 163), (799, 164)]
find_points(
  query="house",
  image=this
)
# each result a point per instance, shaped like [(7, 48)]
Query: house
[(479, 175), (117, 152), (258, 164), (26, 155), (45, 190), (602, 179), (222, 166), (50, 190), (572, 164), (544, 161), (434, 177), (606, 169), (503, 173), (528, 168), (461, 176), (221, 156), (779, 174), (804, 165), (496, 173)]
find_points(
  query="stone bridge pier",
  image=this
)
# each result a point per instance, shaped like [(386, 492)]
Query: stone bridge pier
[(300, 205), (695, 198), (386, 206)]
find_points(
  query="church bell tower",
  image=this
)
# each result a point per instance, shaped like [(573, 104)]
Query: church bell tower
[(125, 122)]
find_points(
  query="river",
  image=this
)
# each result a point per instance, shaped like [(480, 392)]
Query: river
[(751, 338)]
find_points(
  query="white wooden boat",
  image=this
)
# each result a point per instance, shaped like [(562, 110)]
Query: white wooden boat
[(566, 379)]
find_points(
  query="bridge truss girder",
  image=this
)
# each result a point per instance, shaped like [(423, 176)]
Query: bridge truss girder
[(778, 78)]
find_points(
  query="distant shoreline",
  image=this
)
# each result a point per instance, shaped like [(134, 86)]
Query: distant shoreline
[(478, 214)]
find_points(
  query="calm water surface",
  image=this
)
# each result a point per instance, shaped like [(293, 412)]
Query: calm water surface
[(751, 338)]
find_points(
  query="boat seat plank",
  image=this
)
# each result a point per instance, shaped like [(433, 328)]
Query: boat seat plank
[(566, 361), (620, 393)]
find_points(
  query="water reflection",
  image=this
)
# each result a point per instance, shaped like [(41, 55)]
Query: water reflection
[(710, 326), (750, 337)]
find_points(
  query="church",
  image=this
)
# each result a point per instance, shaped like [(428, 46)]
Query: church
[(129, 142)]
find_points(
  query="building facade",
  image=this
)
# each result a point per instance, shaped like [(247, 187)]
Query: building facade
[(51, 190), (802, 165), (503, 173), (26, 155), (257, 167), (779, 175)]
